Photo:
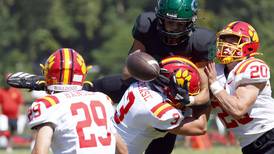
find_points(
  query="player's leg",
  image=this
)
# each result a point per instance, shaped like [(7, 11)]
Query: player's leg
[(263, 145), (163, 145), (13, 130)]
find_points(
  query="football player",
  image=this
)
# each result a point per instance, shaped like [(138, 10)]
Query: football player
[(170, 30), (149, 110), (69, 119), (241, 88)]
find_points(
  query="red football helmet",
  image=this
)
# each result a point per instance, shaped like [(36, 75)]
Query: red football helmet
[(64, 70), (237, 41), (184, 70)]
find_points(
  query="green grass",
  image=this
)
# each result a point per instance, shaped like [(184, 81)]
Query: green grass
[(213, 150), (177, 150)]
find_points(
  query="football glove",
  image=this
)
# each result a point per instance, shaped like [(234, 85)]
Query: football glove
[(26, 81), (180, 93)]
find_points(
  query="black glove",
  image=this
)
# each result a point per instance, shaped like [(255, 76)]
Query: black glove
[(180, 93), (26, 81)]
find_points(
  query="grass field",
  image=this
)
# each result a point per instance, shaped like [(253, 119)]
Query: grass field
[(177, 150)]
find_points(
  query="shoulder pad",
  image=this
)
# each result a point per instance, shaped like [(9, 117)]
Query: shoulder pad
[(103, 97), (203, 42), (146, 94), (252, 70), (143, 22), (39, 112), (166, 116), (48, 101)]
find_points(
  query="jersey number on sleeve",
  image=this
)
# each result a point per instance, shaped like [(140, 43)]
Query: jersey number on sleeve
[(118, 117), (34, 112), (258, 71), (230, 123), (94, 106)]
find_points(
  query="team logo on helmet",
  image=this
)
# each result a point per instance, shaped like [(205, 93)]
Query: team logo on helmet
[(194, 5), (184, 71), (182, 76)]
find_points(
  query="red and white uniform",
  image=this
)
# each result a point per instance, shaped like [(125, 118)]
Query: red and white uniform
[(259, 118), (140, 112), (82, 121)]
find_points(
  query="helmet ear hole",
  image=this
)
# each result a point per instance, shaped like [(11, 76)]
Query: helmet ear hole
[(250, 48)]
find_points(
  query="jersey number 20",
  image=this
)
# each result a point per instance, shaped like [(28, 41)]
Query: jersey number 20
[(86, 143)]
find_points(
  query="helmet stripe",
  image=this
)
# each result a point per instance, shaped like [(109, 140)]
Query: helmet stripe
[(168, 60), (72, 65), (66, 66), (61, 65)]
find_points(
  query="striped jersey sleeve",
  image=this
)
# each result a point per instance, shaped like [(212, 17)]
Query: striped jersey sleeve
[(252, 70), (165, 116), (41, 111)]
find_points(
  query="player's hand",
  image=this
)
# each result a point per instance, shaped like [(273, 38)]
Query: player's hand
[(211, 72), (180, 93), (26, 80)]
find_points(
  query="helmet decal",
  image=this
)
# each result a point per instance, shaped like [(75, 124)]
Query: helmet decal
[(182, 76), (183, 70), (194, 5), (82, 64)]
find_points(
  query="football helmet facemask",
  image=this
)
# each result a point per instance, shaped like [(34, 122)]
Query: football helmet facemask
[(176, 19), (237, 41)]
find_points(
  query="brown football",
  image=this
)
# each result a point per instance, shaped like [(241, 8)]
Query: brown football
[(142, 66)]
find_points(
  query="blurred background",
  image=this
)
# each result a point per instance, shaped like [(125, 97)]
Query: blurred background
[(30, 30)]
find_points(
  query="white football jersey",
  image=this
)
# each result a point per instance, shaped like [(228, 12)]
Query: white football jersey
[(142, 115), (82, 121), (259, 118)]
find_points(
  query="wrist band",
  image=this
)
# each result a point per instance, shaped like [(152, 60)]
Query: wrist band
[(216, 87), (191, 100)]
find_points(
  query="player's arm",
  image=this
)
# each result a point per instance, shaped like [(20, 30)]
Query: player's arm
[(195, 124), (121, 147), (238, 104), (43, 138), (203, 96), (26, 80)]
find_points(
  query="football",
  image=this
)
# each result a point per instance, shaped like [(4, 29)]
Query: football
[(142, 66)]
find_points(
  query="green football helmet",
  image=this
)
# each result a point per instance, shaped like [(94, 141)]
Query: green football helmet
[(176, 19)]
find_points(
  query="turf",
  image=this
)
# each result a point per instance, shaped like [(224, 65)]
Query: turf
[(177, 150)]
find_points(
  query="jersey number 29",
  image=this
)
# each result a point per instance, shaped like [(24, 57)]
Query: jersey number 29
[(94, 107)]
